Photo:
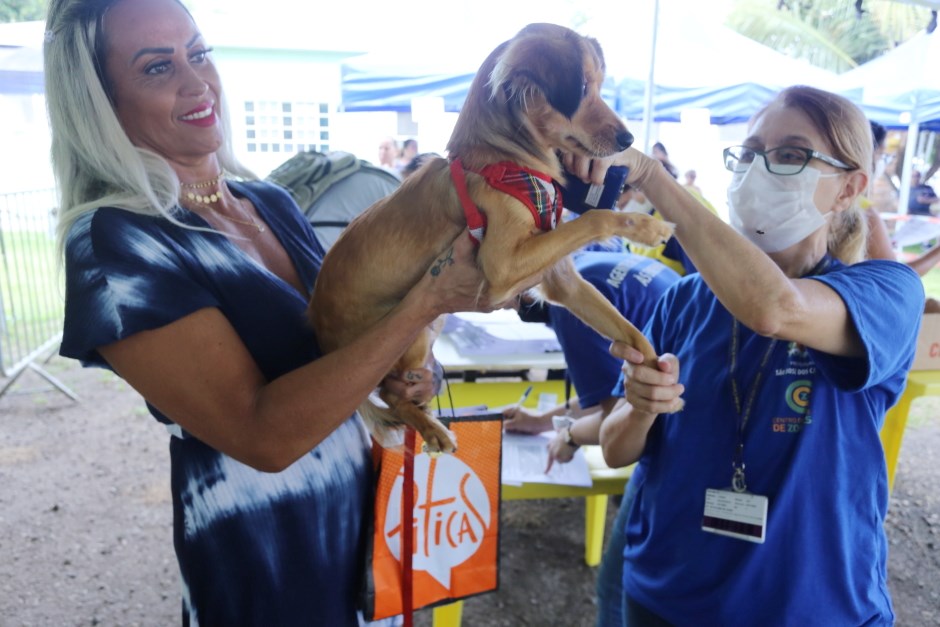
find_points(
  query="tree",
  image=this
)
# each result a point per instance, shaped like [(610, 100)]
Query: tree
[(22, 10), (831, 34)]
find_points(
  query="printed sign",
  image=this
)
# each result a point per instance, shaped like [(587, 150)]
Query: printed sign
[(455, 521)]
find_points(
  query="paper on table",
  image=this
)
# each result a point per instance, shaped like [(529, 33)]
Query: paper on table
[(915, 231), (499, 332), (525, 457)]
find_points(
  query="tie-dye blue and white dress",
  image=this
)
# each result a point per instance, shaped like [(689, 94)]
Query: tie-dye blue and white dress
[(254, 548)]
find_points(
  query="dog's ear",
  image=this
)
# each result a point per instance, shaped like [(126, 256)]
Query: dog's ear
[(596, 47), (547, 58)]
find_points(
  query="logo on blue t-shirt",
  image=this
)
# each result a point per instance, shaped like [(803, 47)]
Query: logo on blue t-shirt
[(798, 395), (797, 354), (799, 364)]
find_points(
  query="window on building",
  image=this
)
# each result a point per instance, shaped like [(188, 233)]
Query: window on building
[(281, 124)]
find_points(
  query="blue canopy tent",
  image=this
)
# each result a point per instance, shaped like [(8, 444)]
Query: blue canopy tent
[(389, 82), (903, 79), (690, 61), (21, 70), (699, 65), (906, 80), (372, 82), (730, 104), (21, 58)]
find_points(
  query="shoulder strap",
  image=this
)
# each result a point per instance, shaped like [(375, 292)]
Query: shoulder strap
[(476, 221)]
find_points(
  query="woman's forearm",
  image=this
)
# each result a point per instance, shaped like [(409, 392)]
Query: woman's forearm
[(302, 407), (746, 281), (623, 435)]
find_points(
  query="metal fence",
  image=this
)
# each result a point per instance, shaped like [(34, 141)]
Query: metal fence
[(31, 288)]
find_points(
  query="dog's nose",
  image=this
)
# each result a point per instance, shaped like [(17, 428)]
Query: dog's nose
[(624, 139)]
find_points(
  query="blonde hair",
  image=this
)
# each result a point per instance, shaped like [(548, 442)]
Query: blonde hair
[(848, 131), (94, 162)]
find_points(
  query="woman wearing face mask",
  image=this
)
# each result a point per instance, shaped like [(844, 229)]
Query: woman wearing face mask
[(762, 502)]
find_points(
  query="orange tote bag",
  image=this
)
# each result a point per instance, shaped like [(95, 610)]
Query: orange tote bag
[(455, 500)]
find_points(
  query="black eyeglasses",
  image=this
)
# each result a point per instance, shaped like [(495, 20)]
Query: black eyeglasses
[(785, 160)]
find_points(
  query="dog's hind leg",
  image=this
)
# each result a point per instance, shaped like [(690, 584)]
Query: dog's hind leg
[(435, 435), (564, 286), (437, 439)]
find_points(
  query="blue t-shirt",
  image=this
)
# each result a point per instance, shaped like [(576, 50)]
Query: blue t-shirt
[(822, 468), (919, 208), (254, 548), (633, 284)]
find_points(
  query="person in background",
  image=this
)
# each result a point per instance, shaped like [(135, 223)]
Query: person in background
[(690, 176), (409, 150), (783, 353), (633, 284), (670, 253), (417, 161), (659, 153), (879, 244), (922, 196), (190, 279), (388, 155)]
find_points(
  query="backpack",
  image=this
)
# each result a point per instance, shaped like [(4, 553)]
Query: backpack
[(332, 188)]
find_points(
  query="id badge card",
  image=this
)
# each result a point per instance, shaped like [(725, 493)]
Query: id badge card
[(738, 515)]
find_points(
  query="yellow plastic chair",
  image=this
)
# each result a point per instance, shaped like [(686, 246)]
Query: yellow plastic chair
[(919, 383)]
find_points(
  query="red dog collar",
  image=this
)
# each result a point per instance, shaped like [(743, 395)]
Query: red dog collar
[(536, 190)]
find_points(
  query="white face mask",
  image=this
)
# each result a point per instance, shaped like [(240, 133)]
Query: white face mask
[(772, 211)]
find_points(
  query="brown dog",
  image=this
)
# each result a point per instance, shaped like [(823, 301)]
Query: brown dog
[(534, 95)]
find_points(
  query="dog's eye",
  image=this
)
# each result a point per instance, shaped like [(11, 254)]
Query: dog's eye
[(584, 89)]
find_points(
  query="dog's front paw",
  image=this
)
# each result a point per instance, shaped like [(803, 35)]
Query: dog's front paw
[(438, 439), (642, 228)]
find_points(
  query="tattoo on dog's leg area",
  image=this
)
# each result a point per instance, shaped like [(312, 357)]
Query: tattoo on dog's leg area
[(446, 260)]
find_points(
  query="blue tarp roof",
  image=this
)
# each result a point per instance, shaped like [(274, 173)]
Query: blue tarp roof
[(903, 80), (21, 70), (392, 89), (697, 66)]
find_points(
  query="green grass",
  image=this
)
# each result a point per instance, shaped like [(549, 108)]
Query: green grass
[(932, 282), (31, 293)]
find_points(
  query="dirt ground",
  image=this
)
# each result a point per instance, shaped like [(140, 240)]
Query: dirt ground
[(85, 521)]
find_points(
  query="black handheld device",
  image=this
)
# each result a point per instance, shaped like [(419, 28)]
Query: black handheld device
[(579, 196)]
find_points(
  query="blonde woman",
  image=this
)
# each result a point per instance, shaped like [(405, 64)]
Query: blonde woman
[(762, 502), (190, 280)]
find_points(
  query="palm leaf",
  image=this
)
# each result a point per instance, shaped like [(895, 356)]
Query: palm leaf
[(828, 33)]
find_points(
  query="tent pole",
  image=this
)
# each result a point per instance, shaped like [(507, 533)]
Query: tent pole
[(910, 150), (650, 85)]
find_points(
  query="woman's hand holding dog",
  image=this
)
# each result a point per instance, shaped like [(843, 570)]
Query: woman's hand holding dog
[(454, 282), (642, 168), (651, 390), (419, 385)]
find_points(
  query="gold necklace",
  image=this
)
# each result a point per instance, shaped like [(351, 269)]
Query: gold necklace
[(196, 196), (204, 202), (249, 222)]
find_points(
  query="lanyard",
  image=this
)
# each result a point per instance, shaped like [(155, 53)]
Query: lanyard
[(738, 483)]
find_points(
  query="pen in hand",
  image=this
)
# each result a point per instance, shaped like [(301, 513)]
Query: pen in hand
[(524, 396)]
